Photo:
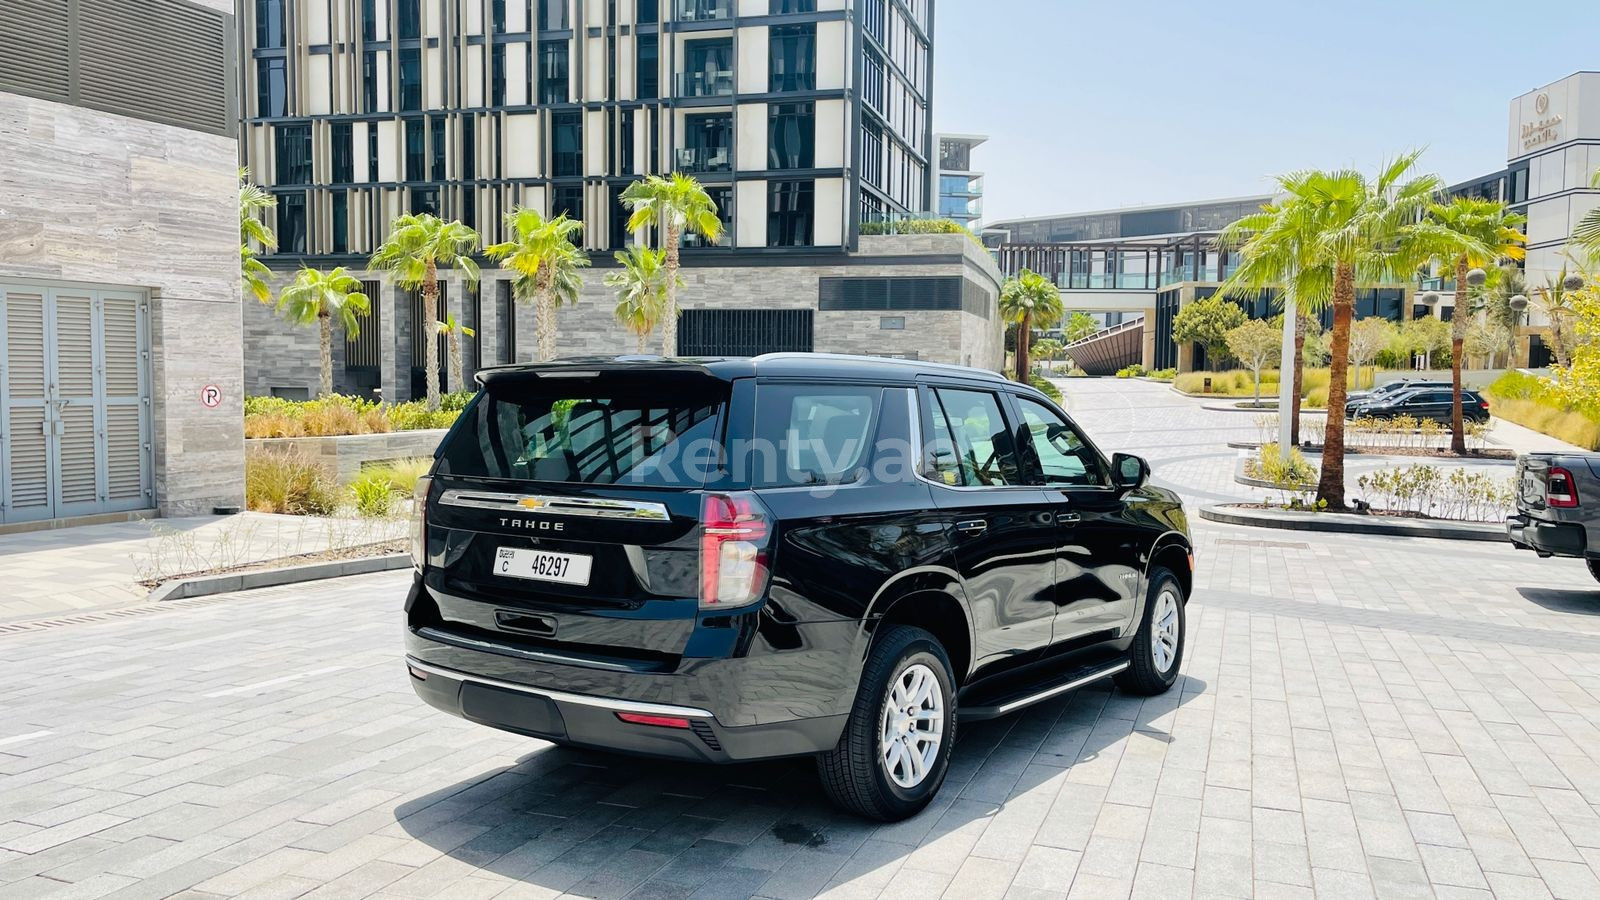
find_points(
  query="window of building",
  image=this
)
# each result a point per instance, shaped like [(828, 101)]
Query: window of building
[(709, 68), (416, 151), (369, 81), (425, 201), (497, 75), (497, 16), (793, 57), (791, 207), (292, 149), (625, 139), (372, 151), (566, 156), (410, 79), (272, 88), (648, 66), (619, 216), (785, 7), (469, 206), (649, 11), (341, 221), (708, 143), (553, 15), (269, 24), (567, 198), (292, 222), (344, 154), (792, 136), (553, 71), (369, 20), (408, 18), (469, 146), (437, 140)]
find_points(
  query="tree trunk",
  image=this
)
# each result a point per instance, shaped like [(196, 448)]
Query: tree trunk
[(1024, 333), (669, 316), (1299, 377), (325, 327), (1255, 375), (1458, 333), (545, 312), (1558, 341), (640, 338), (430, 328), (452, 343), (1330, 488)]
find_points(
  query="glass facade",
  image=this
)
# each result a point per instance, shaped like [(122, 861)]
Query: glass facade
[(272, 87), (553, 71), (292, 151), (566, 144), (792, 57), (791, 212), (792, 136), (648, 66), (708, 143)]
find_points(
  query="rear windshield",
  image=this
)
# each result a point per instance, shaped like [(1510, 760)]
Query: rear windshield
[(583, 435)]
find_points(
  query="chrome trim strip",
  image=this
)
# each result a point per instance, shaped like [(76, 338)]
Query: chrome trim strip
[(613, 704), (558, 506), (1047, 693)]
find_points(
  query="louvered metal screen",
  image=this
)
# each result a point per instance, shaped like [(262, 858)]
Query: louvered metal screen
[(365, 350), (75, 432), (744, 332), (167, 61)]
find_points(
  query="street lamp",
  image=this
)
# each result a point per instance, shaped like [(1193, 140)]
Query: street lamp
[(1573, 282), (1476, 277), (1431, 300)]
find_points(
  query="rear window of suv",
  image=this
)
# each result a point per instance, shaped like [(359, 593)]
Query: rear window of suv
[(812, 434), (579, 434)]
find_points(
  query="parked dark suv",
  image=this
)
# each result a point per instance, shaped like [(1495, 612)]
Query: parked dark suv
[(737, 559)]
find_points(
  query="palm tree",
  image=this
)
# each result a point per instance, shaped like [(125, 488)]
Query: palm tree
[(1333, 231), (1029, 300), (1557, 299), (546, 261), (677, 204), (1487, 233), (252, 231), (418, 245), (641, 286), (1587, 231), (452, 331), (321, 297)]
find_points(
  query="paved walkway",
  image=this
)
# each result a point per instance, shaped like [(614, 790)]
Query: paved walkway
[(67, 570)]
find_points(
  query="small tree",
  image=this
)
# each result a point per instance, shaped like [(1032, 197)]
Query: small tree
[(677, 204), (1079, 326), (452, 331), (417, 246), (1029, 300), (321, 297), (546, 261), (1556, 301), (641, 285), (1207, 322), (1426, 337), (252, 233), (1368, 338), (1485, 341), (1256, 344)]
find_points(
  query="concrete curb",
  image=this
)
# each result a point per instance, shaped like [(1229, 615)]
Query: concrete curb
[(1348, 523), (1311, 451), (1240, 477), (205, 585)]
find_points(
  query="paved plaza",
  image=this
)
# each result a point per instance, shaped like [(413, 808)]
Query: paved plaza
[(1358, 717)]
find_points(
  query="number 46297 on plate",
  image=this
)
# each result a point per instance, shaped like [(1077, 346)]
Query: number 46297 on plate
[(543, 565)]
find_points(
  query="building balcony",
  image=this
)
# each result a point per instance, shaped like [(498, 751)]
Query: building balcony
[(712, 83), (705, 159), (704, 10)]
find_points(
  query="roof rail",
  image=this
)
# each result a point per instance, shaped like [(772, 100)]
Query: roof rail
[(953, 368)]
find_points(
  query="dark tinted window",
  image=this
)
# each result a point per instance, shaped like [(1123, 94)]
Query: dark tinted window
[(567, 199), (416, 151), (553, 15), (1055, 451), (341, 221), (552, 71), (566, 157), (343, 151), (976, 432), (792, 136), (369, 80), (793, 56), (811, 434), (269, 24), (292, 222), (791, 213), (649, 67), (411, 79), (586, 437), (272, 88), (293, 150), (437, 140)]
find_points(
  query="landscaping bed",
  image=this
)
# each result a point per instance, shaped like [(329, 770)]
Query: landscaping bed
[(334, 554)]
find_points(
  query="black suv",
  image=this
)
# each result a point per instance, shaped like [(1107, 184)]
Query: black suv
[(737, 559)]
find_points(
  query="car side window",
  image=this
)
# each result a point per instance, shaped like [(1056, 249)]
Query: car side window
[(1062, 455), (978, 434)]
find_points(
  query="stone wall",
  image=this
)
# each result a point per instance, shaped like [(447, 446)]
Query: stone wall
[(343, 457), (103, 199)]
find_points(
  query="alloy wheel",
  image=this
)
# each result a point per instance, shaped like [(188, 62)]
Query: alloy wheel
[(1164, 627), (911, 728)]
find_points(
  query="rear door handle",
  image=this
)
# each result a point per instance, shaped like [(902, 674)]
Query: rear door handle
[(972, 526)]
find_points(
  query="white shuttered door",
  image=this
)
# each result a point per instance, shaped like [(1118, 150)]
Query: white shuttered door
[(75, 402)]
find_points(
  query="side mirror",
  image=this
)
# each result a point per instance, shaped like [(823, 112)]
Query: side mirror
[(1130, 472)]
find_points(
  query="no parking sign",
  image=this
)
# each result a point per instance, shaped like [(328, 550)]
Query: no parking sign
[(211, 396)]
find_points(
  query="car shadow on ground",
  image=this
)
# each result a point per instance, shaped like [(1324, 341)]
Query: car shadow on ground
[(1582, 601), (601, 824)]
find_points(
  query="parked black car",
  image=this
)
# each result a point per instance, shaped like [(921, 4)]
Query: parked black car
[(1422, 403), (736, 559), (1389, 389)]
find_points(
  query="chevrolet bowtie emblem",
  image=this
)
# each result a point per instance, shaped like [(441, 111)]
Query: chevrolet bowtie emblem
[(530, 503)]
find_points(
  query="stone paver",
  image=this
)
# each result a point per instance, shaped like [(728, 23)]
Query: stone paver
[(1358, 717)]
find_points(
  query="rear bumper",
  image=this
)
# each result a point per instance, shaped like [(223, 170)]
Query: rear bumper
[(593, 721), (1547, 538)]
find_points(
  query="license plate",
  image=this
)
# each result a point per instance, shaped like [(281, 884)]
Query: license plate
[(543, 565)]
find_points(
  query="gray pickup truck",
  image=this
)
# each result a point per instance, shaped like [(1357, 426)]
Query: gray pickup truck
[(1558, 506)]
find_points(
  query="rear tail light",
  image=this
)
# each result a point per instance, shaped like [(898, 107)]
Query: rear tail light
[(1560, 490), (733, 550), (658, 721), (419, 522)]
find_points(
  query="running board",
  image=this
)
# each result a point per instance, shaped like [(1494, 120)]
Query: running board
[(1074, 679)]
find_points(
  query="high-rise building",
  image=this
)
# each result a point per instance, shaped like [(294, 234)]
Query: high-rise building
[(120, 390), (960, 184), (804, 119)]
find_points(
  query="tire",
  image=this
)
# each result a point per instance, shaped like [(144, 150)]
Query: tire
[(855, 774), (1145, 674), (1594, 568)]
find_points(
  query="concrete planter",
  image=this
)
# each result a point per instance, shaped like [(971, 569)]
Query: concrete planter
[(344, 456)]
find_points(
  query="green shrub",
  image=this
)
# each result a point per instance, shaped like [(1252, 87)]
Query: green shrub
[(334, 415), (1164, 374), (1316, 398), (455, 401), (1045, 387), (1424, 490), (1134, 371), (382, 488), (1532, 403), (1269, 465), (287, 481)]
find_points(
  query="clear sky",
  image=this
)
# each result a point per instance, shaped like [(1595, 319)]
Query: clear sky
[(1094, 105)]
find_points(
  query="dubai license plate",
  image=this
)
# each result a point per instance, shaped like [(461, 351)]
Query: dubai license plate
[(542, 565)]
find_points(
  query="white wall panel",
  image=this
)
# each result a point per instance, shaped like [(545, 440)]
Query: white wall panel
[(832, 126), (750, 214), (360, 159), (594, 142), (516, 74), (830, 208), (521, 149), (389, 151), (318, 91), (751, 121), (475, 76), (751, 73), (433, 68), (833, 55), (317, 31)]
